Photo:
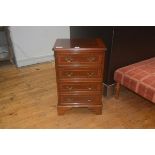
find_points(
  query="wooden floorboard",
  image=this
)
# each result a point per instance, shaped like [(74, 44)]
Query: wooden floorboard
[(28, 99)]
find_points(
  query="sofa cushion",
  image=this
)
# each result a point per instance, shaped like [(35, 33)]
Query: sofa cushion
[(139, 77)]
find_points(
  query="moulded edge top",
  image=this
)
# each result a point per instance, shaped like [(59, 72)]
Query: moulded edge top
[(79, 44)]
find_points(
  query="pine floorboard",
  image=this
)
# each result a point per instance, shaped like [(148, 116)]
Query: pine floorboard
[(28, 99)]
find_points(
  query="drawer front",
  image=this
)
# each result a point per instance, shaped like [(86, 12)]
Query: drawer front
[(85, 58), (80, 99), (79, 73), (80, 86)]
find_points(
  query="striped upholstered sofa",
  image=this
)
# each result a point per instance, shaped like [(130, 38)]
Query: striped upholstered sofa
[(138, 77)]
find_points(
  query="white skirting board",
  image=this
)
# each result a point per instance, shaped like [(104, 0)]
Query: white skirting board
[(34, 60)]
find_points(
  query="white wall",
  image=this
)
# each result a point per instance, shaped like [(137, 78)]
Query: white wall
[(33, 44)]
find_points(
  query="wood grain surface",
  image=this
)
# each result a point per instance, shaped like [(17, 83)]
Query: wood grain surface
[(28, 99)]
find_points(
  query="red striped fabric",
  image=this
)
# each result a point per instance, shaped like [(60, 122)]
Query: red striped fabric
[(139, 77)]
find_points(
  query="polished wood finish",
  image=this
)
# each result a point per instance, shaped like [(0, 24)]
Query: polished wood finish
[(80, 73), (79, 70), (80, 86), (81, 98), (28, 100), (82, 58), (74, 44), (104, 32)]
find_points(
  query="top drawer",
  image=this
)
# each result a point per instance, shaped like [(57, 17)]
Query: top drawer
[(79, 58)]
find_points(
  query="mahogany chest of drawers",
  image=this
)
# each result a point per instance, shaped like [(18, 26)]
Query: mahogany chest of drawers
[(79, 65)]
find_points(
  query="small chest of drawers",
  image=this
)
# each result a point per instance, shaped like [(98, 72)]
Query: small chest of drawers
[(79, 65)]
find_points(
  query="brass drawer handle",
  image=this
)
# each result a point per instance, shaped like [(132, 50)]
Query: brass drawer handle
[(90, 74), (68, 59), (89, 100), (69, 87), (69, 74), (91, 59)]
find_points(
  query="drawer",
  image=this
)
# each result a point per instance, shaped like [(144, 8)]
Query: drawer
[(79, 73), (80, 86), (80, 99), (79, 58)]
